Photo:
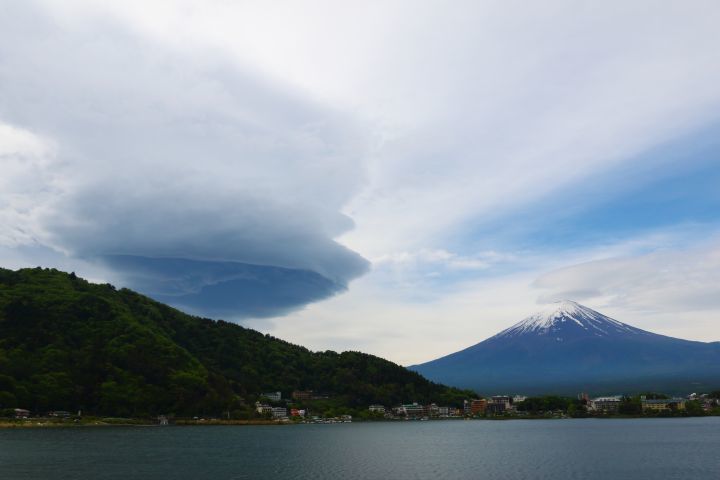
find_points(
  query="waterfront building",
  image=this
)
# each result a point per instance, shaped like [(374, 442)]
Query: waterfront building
[(496, 408), (59, 413), (377, 408), (662, 405), (263, 408), (411, 410), (431, 410), (478, 406), (22, 413), (505, 400), (279, 412), (606, 404)]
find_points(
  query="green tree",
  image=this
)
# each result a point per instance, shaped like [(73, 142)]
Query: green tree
[(68, 344), (630, 406), (694, 408)]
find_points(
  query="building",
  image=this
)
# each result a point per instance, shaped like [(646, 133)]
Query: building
[(377, 409), (505, 400), (279, 412), (519, 399), (263, 409), (431, 410), (302, 395), (22, 413), (60, 414), (606, 404), (496, 408), (497, 405), (411, 410), (662, 405), (478, 406), (295, 412), (272, 396), (445, 411)]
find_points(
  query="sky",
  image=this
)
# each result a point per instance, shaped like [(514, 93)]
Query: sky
[(398, 177)]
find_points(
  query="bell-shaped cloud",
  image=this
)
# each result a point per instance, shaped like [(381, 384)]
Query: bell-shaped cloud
[(185, 176)]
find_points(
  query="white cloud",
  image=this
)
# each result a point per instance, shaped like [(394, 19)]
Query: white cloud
[(673, 290), (440, 257), (671, 282), (475, 109), (26, 183), (375, 319), (277, 128), (164, 154)]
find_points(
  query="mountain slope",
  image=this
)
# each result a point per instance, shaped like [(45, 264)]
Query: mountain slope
[(68, 344), (568, 348)]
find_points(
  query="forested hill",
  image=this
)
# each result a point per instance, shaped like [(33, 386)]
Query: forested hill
[(67, 344)]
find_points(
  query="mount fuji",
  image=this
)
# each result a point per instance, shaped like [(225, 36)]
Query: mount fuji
[(568, 348)]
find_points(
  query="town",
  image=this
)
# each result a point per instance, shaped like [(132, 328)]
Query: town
[(311, 407), (504, 406)]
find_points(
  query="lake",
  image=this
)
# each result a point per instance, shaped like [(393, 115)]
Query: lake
[(679, 448)]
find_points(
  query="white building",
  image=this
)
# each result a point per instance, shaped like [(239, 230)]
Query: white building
[(411, 410), (272, 396), (279, 412), (22, 413), (501, 403), (606, 404), (377, 408)]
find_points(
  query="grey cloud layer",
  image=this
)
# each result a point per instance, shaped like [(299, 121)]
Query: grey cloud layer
[(159, 155)]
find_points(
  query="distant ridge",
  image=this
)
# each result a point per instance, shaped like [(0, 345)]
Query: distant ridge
[(567, 348)]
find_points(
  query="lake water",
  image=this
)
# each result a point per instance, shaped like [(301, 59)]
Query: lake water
[(519, 449)]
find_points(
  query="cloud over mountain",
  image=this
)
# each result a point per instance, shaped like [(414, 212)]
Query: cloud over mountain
[(649, 282), (231, 158), (161, 165)]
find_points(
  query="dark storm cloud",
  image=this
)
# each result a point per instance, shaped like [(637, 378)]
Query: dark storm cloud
[(224, 289)]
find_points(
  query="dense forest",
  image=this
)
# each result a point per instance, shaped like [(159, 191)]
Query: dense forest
[(68, 344)]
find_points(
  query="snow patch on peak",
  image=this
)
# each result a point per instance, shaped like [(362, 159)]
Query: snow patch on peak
[(564, 314)]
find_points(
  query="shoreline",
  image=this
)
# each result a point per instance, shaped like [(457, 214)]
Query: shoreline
[(100, 423)]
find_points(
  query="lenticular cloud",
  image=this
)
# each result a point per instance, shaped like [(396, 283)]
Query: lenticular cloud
[(188, 180)]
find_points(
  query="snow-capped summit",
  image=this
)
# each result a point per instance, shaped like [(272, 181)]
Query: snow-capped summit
[(567, 316), (566, 348)]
